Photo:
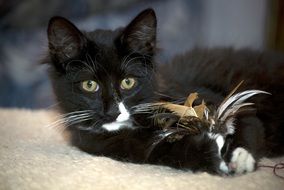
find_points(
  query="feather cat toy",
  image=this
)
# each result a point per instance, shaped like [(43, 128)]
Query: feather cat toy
[(186, 119), (177, 121)]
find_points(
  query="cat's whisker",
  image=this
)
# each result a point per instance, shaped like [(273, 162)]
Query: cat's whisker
[(96, 123), (175, 99), (128, 62), (56, 123), (159, 138), (126, 57), (68, 64), (63, 126), (90, 127), (87, 66), (146, 106), (52, 106), (144, 112), (77, 121), (78, 115), (71, 117), (67, 124), (75, 112), (63, 121), (89, 59)]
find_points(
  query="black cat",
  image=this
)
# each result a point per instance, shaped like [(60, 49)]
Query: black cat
[(213, 73), (100, 77)]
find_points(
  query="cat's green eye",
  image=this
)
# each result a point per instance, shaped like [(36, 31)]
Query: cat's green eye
[(90, 86), (127, 83)]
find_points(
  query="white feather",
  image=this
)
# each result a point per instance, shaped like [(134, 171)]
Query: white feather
[(232, 110), (236, 100)]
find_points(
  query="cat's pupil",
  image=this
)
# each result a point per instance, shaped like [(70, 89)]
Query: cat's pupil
[(127, 81), (90, 84)]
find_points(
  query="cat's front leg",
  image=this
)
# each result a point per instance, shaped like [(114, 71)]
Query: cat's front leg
[(242, 161), (245, 146)]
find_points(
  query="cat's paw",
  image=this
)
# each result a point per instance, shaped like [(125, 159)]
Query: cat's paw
[(242, 161)]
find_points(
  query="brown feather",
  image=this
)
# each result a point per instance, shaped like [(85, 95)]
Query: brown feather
[(190, 99), (200, 109)]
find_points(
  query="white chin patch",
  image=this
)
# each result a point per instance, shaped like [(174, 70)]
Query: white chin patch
[(114, 126), (122, 121)]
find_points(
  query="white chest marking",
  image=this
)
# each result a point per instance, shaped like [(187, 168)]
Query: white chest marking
[(219, 139), (122, 121)]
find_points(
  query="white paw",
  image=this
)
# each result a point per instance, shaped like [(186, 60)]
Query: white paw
[(242, 161)]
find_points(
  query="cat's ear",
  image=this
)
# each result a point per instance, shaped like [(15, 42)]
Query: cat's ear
[(65, 40), (140, 35)]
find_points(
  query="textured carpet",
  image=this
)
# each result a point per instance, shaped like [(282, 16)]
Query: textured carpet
[(33, 156)]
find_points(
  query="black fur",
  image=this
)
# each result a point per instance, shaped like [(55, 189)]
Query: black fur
[(109, 56), (213, 73), (106, 57)]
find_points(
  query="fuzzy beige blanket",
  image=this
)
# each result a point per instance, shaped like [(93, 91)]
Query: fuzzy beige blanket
[(33, 156)]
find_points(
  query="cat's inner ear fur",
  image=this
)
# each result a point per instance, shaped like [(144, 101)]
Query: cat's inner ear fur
[(140, 35), (65, 40)]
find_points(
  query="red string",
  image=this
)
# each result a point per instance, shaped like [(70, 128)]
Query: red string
[(276, 167)]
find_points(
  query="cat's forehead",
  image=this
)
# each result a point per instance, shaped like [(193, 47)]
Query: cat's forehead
[(101, 56), (103, 37), (108, 59)]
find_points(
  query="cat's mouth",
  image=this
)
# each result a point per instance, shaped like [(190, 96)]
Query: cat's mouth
[(121, 121), (108, 123)]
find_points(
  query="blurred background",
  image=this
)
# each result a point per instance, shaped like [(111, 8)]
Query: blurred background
[(182, 25)]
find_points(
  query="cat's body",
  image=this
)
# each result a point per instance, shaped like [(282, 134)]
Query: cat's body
[(99, 77), (213, 73)]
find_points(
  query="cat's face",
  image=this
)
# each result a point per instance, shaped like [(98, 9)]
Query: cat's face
[(99, 76)]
